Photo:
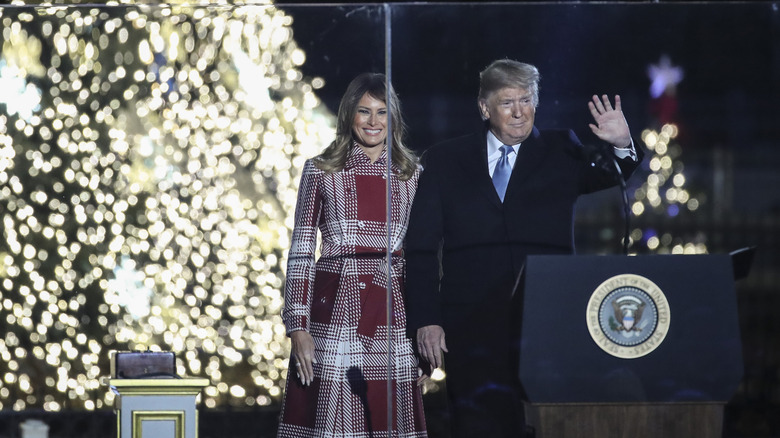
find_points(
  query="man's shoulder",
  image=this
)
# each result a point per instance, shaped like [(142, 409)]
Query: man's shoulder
[(462, 140), (454, 145), (559, 135)]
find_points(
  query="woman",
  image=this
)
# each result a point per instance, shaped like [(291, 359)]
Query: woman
[(335, 308)]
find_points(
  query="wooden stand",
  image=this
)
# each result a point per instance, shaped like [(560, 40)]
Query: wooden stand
[(626, 420)]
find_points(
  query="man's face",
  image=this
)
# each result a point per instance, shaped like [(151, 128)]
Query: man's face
[(510, 112)]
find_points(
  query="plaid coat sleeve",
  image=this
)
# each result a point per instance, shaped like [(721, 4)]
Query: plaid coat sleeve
[(300, 263)]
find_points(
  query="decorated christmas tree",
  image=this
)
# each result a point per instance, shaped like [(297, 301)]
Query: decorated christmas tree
[(664, 195), (149, 158)]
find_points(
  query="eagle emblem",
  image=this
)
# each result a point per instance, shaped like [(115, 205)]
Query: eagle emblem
[(627, 313)]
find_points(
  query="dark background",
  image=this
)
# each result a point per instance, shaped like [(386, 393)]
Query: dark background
[(729, 109)]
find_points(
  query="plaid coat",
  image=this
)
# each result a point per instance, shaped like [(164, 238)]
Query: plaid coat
[(341, 300)]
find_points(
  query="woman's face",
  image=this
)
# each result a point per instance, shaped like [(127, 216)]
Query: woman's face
[(369, 127)]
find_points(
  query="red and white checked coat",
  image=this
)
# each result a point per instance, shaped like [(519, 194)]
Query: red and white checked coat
[(341, 300)]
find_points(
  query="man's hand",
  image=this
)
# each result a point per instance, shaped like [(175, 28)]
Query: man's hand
[(430, 344), (611, 125), (423, 375), (303, 355)]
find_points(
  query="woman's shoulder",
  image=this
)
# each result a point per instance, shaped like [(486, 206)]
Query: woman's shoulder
[(311, 174), (310, 166), (418, 168)]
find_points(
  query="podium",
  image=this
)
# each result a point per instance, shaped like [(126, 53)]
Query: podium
[(620, 346), (157, 408)]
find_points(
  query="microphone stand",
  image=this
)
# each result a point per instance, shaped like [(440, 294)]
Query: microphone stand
[(626, 207), (601, 155)]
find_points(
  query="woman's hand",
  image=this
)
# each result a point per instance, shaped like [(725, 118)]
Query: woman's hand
[(303, 355)]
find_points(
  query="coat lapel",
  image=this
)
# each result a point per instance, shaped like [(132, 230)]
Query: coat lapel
[(473, 162), (529, 159)]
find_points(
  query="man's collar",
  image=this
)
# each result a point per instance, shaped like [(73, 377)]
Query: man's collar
[(493, 143)]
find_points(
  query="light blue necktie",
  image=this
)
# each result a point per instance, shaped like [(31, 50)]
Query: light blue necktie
[(502, 172)]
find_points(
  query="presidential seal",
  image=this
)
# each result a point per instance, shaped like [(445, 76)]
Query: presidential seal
[(628, 316)]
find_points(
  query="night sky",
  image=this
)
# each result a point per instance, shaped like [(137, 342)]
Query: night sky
[(729, 51)]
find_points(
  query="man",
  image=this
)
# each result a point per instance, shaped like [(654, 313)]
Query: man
[(484, 202)]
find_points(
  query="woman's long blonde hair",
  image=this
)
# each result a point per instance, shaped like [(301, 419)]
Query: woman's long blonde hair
[(334, 157)]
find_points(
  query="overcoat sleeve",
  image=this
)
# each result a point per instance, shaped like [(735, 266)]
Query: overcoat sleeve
[(300, 263), (423, 240), (599, 174)]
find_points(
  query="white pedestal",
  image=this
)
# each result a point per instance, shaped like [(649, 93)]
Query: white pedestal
[(34, 429), (157, 408)]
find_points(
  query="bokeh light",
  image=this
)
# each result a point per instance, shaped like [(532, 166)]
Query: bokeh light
[(149, 157), (664, 194)]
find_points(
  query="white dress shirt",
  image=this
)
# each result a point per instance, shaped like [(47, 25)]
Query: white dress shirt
[(494, 152)]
